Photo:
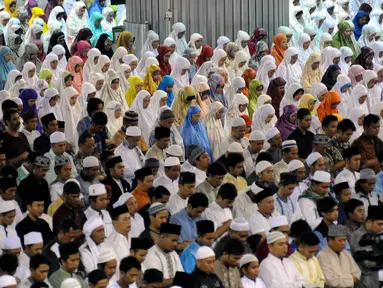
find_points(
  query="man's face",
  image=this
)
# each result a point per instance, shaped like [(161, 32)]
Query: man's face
[(373, 129), (287, 190), (238, 132), (36, 208), (319, 165), (71, 264), (69, 236), (52, 127), (122, 224), (344, 196), (266, 206), (376, 226), (353, 164), (132, 141), (92, 172), (186, 189), (279, 248), (300, 174), (206, 265), (14, 123), (159, 219), (267, 175), (359, 215), (237, 170), (345, 136), (110, 268), (215, 180), (34, 249), (207, 239), (103, 283), (196, 212), (169, 242), (331, 129), (241, 235), (87, 148), (40, 273), (308, 251), (305, 123), (98, 235), (337, 244), (66, 171), (118, 170), (369, 185), (163, 143), (203, 161), (72, 200), (140, 254), (321, 188), (331, 215), (276, 141), (147, 182), (130, 276), (9, 217), (173, 172), (9, 194), (3, 160), (256, 146), (232, 260), (101, 202), (293, 154), (40, 172), (59, 148)]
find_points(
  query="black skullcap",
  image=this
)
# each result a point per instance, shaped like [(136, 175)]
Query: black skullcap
[(140, 174), (266, 192), (186, 178), (183, 280), (61, 124), (338, 188), (131, 116), (113, 161), (96, 275), (153, 276), (71, 187), (115, 212), (167, 228), (288, 178), (47, 118), (152, 163), (349, 152), (161, 132), (205, 226), (375, 212), (138, 243)]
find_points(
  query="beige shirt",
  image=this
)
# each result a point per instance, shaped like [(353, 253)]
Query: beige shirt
[(279, 168), (230, 277), (155, 152), (208, 190)]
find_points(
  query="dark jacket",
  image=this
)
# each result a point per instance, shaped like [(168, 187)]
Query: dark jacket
[(116, 191)]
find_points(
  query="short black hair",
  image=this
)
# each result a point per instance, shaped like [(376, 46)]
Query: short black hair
[(328, 119), (302, 113), (153, 276), (345, 125), (159, 192), (216, 168), (233, 159), (370, 119), (29, 115), (9, 104), (8, 263), (128, 263), (83, 137), (99, 118), (298, 227), (198, 199), (96, 275), (40, 285), (351, 205), (8, 115), (68, 249), (264, 156), (38, 260), (379, 156), (308, 238), (93, 105), (325, 205), (9, 171), (227, 191), (66, 224), (234, 247)]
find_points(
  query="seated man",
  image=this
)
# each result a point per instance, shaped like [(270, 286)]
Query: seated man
[(235, 163)]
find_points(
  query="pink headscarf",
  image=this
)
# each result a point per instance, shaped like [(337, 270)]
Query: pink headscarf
[(78, 78), (353, 72), (81, 46), (40, 45)]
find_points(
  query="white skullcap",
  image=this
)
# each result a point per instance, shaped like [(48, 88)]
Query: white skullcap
[(288, 144), (235, 147), (133, 131), (313, 157), (246, 259), (92, 224), (272, 132), (90, 161), (172, 161), (275, 236), (239, 225), (70, 283), (97, 189), (257, 135), (33, 238), (122, 200), (11, 242), (106, 254), (18, 101), (262, 166), (295, 165), (57, 137), (7, 206), (322, 176), (238, 122), (204, 252), (7, 280), (278, 221), (175, 150)]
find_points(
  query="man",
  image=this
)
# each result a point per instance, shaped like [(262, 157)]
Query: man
[(264, 172), (343, 195), (354, 210), (88, 177), (139, 249), (107, 262), (15, 144), (379, 177), (341, 140), (189, 216), (235, 163), (63, 170), (319, 189), (131, 155), (98, 279), (7, 105), (298, 169), (362, 253), (206, 237), (98, 199), (277, 270), (244, 206), (115, 180), (186, 184), (69, 260), (27, 167), (316, 162), (283, 203), (172, 172), (200, 160), (303, 137), (338, 266), (7, 217), (94, 105), (226, 266), (203, 275), (305, 260), (215, 174), (33, 244), (129, 271), (30, 124), (369, 143), (327, 208), (364, 188), (8, 281), (320, 144), (158, 215), (162, 255), (3, 158), (58, 147), (12, 245), (158, 150), (145, 179), (154, 164), (256, 142), (273, 136), (350, 172), (289, 153), (234, 148), (238, 131), (39, 266)]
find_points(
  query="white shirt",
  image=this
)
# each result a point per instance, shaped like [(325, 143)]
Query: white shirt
[(249, 161), (137, 225), (371, 199), (248, 283), (56, 189), (200, 176), (187, 167), (4, 233), (258, 222), (120, 245), (229, 140), (19, 214), (133, 160), (347, 176), (51, 175), (217, 214), (108, 224), (310, 212), (165, 181), (277, 273), (87, 258), (289, 208), (176, 203), (23, 271), (243, 207), (31, 136)]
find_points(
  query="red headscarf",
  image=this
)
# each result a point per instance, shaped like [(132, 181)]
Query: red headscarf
[(206, 52), (40, 44), (165, 67), (278, 51), (258, 34), (81, 46), (248, 75)]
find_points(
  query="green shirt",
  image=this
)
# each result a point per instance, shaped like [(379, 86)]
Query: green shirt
[(60, 275)]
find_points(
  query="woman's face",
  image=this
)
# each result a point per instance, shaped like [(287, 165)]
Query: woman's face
[(315, 65), (371, 83), (115, 84), (8, 57), (360, 120), (259, 90), (73, 100), (198, 43), (293, 117), (311, 105), (61, 41), (289, 38), (222, 61), (12, 7), (81, 12), (108, 44), (54, 100), (219, 114), (335, 74), (271, 73), (359, 78), (31, 73), (169, 88), (95, 60), (110, 17), (163, 101), (362, 99), (219, 89), (371, 37), (59, 17), (97, 23), (380, 76), (322, 96), (327, 43), (184, 71), (242, 107), (40, 50), (146, 102), (18, 42), (85, 52), (298, 96), (156, 75), (133, 65), (285, 44), (5, 21), (38, 35), (31, 102), (334, 105), (68, 82), (48, 79), (363, 20), (167, 56), (380, 18), (195, 117), (60, 56), (117, 113), (321, 22), (181, 34), (91, 95), (105, 67), (33, 57), (78, 68), (369, 60), (294, 59), (330, 31), (127, 74), (269, 118), (155, 44), (173, 47), (347, 60), (336, 60), (240, 65), (244, 44), (99, 84), (139, 87), (306, 45), (281, 89), (240, 90)]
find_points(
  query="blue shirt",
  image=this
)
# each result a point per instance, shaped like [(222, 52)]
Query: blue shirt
[(187, 257), (188, 225), (379, 183)]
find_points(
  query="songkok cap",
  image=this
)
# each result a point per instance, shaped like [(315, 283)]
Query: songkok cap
[(375, 212), (238, 122), (186, 178), (205, 226), (7, 206), (262, 194), (235, 147), (152, 163), (153, 276), (278, 221), (7, 280), (122, 199), (142, 173), (42, 161), (322, 176), (119, 210), (142, 244), (288, 144), (246, 259), (175, 150), (131, 116), (96, 190), (156, 208), (61, 160), (182, 280), (11, 242), (295, 165), (367, 173), (313, 157), (352, 151), (239, 225), (337, 231), (106, 255), (33, 238), (262, 166), (272, 132), (340, 186), (321, 139), (287, 178), (204, 252), (57, 137), (70, 283), (257, 135), (161, 132), (167, 228), (133, 131), (90, 161), (172, 161), (166, 114), (47, 118), (113, 161), (195, 154), (92, 224), (275, 236)]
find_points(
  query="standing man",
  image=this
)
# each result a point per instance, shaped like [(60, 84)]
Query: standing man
[(350, 173), (42, 144)]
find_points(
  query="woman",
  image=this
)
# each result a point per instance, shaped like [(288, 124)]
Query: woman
[(217, 84), (370, 78), (103, 64), (58, 38), (108, 23), (378, 51), (126, 40), (286, 124), (105, 44), (158, 100), (97, 7), (180, 74), (359, 21), (329, 106), (112, 91), (345, 59), (98, 81), (193, 132), (37, 12), (262, 50), (94, 24), (151, 44), (152, 79), (30, 55), (219, 58), (142, 63), (343, 87), (77, 20), (297, 24), (164, 53), (357, 116), (29, 74), (47, 76), (222, 41), (358, 98), (182, 102), (248, 75), (91, 64), (65, 81), (308, 101), (57, 14), (367, 38), (115, 118), (365, 58), (51, 63), (10, 7), (329, 78), (311, 72), (292, 96), (329, 56), (263, 118), (6, 65), (235, 110), (117, 58), (125, 73), (280, 46), (85, 34), (72, 112), (167, 85), (259, 34), (231, 50), (13, 76), (205, 55), (136, 84), (75, 68), (178, 34), (83, 48), (343, 38), (355, 73), (304, 49), (17, 88), (34, 33), (289, 69), (255, 91), (88, 91), (238, 65), (237, 86), (276, 91), (14, 43), (213, 125)]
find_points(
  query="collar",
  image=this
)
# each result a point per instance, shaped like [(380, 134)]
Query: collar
[(354, 226), (299, 255)]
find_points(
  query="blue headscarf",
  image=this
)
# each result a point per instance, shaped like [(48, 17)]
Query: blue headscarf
[(165, 82), (25, 96), (96, 7), (97, 31), (358, 27), (195, 133), (5, 67)]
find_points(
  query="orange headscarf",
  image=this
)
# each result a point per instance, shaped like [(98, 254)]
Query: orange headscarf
[(278, 52), (248, 123), (325, 107), (248, 76)]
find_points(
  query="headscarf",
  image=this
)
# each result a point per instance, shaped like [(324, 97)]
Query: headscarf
[(288, 98), (303, 53), (165, 67), (355, 114), (12, 26), (53, 42), (51, 4), (96, 7), (232, 91), (276, 95), (84, 34), (44, 74), (107, 26), (234, 112), (374, 93), (148, 45), (290, 72), (346, 52), (37, 12), (114, 124), (154, 104), (203, 104), (31, 81), (4, 95), (377, 47), (12, 75), (324, 38), (266, 66), (327, 78), (325, 108), (117, 58), (123, 40), (30, 36), (47, 66), (17, 87), (71, 115), (7, 5), (165, 82), (243, 36), (87, 88), (358, 27), (327, 57), (180, 80), (26, 57), (358, 92), (40, 45), (260, 117), (342, 83), (361, 59), (89, 66), (124, 84), (101, 45), (253, 95), (248, 75), (278, 51), (82, 46), (368, 31), (181, 43), (78, 79), (222, 41), (214, 129), (306, 100), (25, 96), (206, 53), (96, 30), (284, 125), (234, 69), (53, 17), (130, 95), (310, 76), (214, 82), (258, 34), (355, 71), (142, 64), (108, 94), (149, 84), (180, 105), (93, 79), (5, 67)]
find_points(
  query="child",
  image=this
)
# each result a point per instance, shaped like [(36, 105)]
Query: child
[(30, 125), (249, 266)]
